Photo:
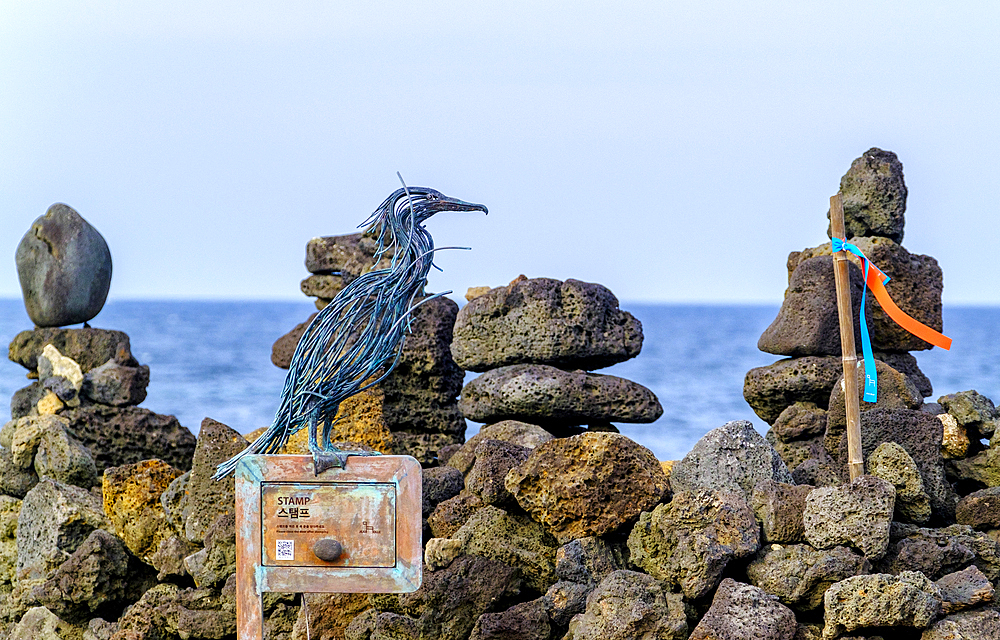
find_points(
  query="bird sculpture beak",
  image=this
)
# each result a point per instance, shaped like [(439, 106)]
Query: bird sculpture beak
[(454, 204)]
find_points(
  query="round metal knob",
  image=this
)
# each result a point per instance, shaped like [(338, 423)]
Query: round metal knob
[(327, 549)]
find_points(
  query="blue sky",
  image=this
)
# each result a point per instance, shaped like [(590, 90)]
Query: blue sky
[(673, 151)]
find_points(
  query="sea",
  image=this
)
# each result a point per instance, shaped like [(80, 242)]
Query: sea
[(212, 359)]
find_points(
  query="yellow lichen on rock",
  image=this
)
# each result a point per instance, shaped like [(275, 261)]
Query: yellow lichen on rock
[(132, 503), (955, 441), (475, 292), (49, 405)]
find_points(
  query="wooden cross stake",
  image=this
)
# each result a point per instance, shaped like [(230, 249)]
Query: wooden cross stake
[(841, 266)]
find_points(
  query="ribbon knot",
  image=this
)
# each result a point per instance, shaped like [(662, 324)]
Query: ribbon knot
[(875, 280)]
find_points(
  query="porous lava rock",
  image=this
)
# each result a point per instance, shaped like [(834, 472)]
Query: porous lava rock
[(89, 347), (938, 552), (512, 431), (880, 600), (626, 605), (494, 458), (858, 514), (800, 421), (132, 504), (571, 325), (207, 499), (545, 395), (438, 484), (524, 621), (895, 391), (874, 196), (64, 266), (967, 624), (589, 560), (688, 542), (565, 599), (741, 611), (348, 256), (778, 507), (733, 457), (890, 462), (972, 410), (980, 509), (799, 574), (964, 589), (116, 385), (771, 389), (449, 515), (587, 485)]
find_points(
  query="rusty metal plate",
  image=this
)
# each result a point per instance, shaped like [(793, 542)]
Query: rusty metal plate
[(359, 516)]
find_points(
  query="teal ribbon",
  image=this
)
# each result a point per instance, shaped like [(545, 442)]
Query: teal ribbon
[(871, 377)]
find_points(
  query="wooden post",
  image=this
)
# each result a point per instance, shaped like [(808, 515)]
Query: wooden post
[(842, 275)]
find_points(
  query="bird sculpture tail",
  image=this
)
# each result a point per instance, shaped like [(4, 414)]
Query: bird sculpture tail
[(269, 442)]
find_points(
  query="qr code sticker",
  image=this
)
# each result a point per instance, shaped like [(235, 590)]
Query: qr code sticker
[(285, 550)]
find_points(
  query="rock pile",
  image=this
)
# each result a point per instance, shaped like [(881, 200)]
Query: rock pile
[(415, 410), (537, 341)]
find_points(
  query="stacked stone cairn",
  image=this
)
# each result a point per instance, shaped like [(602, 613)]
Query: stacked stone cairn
[(415, 410)]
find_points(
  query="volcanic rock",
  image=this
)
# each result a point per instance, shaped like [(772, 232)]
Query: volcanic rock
[(881, 600), (284, 347), (890, 462), (779, 507), (733, 457), (439, 484), (39, 623), (10, 507), (63, 458), (980, 509), (64, 266), (799, 574), (132, 503), (972, 410), (449, 516), (207, 499), (938, 552), (874, 196), (569, 324), (770, 390), (858, 514), (740, 611), (524, 621), (348, 255), (589, 560), (967, 624), (494, 458), (211, 566), (565, 599), (519, 433), (688, 542), (545, 395), (964, 589), (88, 347), (895, 391), (587, 485), (116, 385), (800, 421), (626, 605), (808, 324)]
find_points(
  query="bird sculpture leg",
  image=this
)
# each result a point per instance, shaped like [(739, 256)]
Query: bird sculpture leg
[(329, 455)]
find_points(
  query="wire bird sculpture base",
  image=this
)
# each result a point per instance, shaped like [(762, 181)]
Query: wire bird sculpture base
[(355, 341)]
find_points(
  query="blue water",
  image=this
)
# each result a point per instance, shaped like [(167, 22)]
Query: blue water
[(213, 359)]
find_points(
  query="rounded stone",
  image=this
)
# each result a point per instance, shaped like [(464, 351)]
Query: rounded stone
[(328, 549), (64, 266)]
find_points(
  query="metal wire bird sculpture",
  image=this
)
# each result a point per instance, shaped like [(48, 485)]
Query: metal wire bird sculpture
[(355, 341)]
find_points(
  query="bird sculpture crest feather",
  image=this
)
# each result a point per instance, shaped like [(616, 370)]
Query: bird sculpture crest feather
[(355, 341)]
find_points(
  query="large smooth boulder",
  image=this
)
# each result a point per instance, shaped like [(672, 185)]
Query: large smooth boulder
[(741, 611), (799, 574), (733, 457), (858, 514), (545, 395), (64, 266), (688, 542), (880, 600), (627, 605), (569, 324), (771, 389), (874, 196), (587, 485)]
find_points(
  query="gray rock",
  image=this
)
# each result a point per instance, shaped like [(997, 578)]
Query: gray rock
[(890, 462), (807, 323), (322, 286), (770, 390), (423, 446), (587, 485), (284, 347), (895, 391), (972, 410), (99, 629), (494, 458), (858, 514), (968, 625), (25, 399), (14, 480), (524, 621), (10, 507), (41, 624), (980, 509), (544, 395), (881, 600), (348, 256), (565, 599), (439, 484), (569, 324), (800, 421), (95, 577), (89, 347), (799, 452), (175, 503), (211, 566), (818, 473), (207, 499), (627, 605), (799, 574), (964, 589), (874, 196), (63, 458), (778, 507), (741, 611), (64, 266), (589, 560), (117, 436), (920, 435), (513, 431), (906, 364), (733, 457), (982, 469), (54, 521), (448, 603), (116, 384), (689, 542), (938, 552), (169, 558), (514, 540)]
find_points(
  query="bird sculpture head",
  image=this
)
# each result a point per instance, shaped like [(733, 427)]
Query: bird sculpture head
[(419, 202)]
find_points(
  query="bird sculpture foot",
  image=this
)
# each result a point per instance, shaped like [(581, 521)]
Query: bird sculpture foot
[(337, 458)]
